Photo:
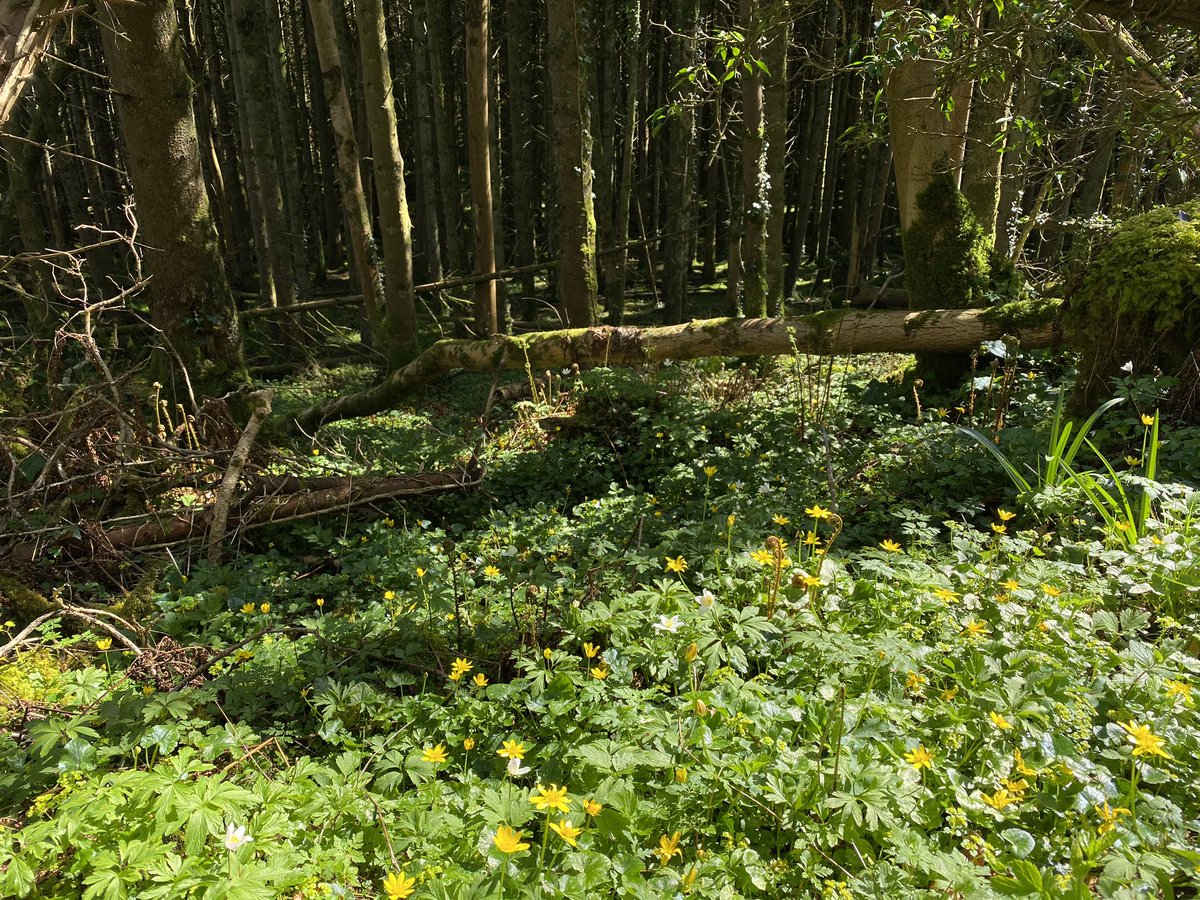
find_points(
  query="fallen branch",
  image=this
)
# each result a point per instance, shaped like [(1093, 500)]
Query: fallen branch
[(254, 510), (237, 462), (833, 332)]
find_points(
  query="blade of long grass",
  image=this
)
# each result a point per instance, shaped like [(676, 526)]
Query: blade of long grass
[(1124, 505), (1151, 471), (1021, 482)]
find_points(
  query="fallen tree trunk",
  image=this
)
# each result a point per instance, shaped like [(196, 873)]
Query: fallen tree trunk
[(832, 332), (271, 502)]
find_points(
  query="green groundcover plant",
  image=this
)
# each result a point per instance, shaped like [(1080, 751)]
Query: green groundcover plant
[(711, 633)]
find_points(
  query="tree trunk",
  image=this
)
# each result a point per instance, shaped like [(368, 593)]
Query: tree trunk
[(349, 174), (521, 135), (400, 311), (754, 192), (836, 332), (680, 163), (190, 298), (618, 270), (426, 160), (26, 27), (577, 287), (331, 210), (447, 148), (775, 113), (479, 151), (249, 17)]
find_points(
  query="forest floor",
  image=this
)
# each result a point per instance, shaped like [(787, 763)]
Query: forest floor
[(776, 629)]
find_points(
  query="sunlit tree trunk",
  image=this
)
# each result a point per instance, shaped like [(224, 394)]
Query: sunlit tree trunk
[(479, 153)]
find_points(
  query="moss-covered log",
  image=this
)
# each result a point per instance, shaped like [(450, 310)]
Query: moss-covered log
[(838, 332)]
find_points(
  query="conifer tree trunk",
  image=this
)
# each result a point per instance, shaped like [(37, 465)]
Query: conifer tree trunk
[(190, 298), (614, 283), (775, 112), (426, 159), (754, 194), (522, 157), (479, 140), (443, 127), (680, 165), (400, 313), (577, 288), (249, 18), (349, 174)]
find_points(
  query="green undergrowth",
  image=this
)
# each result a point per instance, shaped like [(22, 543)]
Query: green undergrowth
[(771, 630)]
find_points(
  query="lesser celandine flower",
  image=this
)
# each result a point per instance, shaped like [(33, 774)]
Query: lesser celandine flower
[(420, 572), (491, 572), (459, 668), (601, 671), (480, 680), (1147, 420), (247, 608), (389, 595), (710, 471), (1019, 764), (676, 564), (919, 758), (265, 608), (945, 594), (236, 837), (435, 754), (1174, 688), (1000, 799), (399, 886), (591, 807), (999, 528), (1005, 516), (565, 830), (512, 750), (729, 520), (1051, 591), (681, 774), (320, 601), (975, 629), (1109, 815), (553, 797), (780, 519), (890, 546), (590, 650), (469, 743), (999, 721), (667, 848), (103, 643), (509, 841), (1011, 585), (1145, 742)]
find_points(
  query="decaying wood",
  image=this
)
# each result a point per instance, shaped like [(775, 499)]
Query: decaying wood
[(834, 332), (257, 508), (237, 462)]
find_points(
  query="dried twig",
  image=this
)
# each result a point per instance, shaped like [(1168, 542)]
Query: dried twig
[(241, 453)]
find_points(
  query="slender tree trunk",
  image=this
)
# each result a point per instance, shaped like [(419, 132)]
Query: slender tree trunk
[(567, 23), (614, 284), (775, 112), (680, 165), (190, 298), (354, 199), (754, 188), (479, 152), (400, 313), (332, 217), (521, 134), (427, 174), (253, 51), (443, 125)]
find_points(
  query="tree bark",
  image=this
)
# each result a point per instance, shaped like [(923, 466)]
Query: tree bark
[(615, 280), (775, 113), (754, 193), (349, 174), (190, 298), (577, 288), (26, 27), (680, 163), (479, 151), (400, 310), (836, 332)]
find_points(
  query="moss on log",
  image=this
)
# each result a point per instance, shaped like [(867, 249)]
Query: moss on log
[(831, 332)]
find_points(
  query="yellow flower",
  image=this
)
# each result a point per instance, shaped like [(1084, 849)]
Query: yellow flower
[(1019, 764), (512, 750), (920, 758), (667, 848), (469, 743), (553, 797), (765, 557), (999, 721), (914, 682), (1145, 742), (509, 841), (434, 754), (459, 668), (547, 654), (1017, 788), (1010, 585), (491, 571), (1174, 688), (420, 572), (591, 807), (103, 643), (601, 672), (316, 452), (1133, 460), (681, 774), (975, 629), (780, 520), (678, 564), (710, 471), (816, 512), (399, 886), (890, 546), (1000, 799), (692, 652), (265, 608), (998, 528), (950, 693), (590, 650), (1109, 815), (729, 520), (320, 601), (565, 830), (389, 595), (945, 594), (810, 581), (1147, 420), (811, 539), (1051, 591), (480, 680), (1005, 516)]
